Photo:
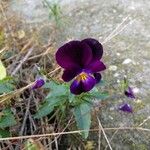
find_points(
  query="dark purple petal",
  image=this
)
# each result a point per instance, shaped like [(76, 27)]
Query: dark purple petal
[(97, 48), (86, 54), (126, 108), (78, 87), (96, 66), (38, 83), (97, 77), (129, 93), (74, 54), (68, 75)]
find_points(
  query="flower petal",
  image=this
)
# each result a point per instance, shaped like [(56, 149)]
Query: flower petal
[(97, 77), (76, 87), (68, 75), (38, 83), (97, 48), (96, 66), (74, 54), (126, 108), (129, 93), (82, 86)]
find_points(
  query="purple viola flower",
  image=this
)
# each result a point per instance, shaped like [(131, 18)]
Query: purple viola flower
[(129, 93), (38, 83), (81, 62), (126, 108)]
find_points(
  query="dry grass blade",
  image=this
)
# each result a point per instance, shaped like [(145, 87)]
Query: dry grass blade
[(144, 121), (101, 128), (118, 29), (72, 132), (21, 62), (9, 95)]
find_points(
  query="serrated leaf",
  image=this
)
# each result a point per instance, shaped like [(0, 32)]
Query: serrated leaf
[(7, 119), (47, 107), (4, 133), (82, 115), (2, 71)]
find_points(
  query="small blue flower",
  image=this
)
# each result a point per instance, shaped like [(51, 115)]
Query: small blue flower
[(126, 108), (129, 93), (38, 83)]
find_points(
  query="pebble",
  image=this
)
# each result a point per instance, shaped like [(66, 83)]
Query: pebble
[(127, 61)]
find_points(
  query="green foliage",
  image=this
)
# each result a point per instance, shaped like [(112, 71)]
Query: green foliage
[(7, 119), (4, 133), (6, 85), (44, 110), (48, 107), (82, 115), (56, 90), (61, 99), (124, 84), (54, 11), (71, 97), (55, 97), (99, 96), (94, 93), (139, 147)]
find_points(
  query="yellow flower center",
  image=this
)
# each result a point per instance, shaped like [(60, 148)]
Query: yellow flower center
[(82, 77)]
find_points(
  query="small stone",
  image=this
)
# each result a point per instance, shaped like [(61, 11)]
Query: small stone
[(118, 54), (116, 74), (118, 81), (111, 117), (127, 61), (112, 68)]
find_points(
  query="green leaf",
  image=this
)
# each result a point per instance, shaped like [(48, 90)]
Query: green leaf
[(56, 97), (44, 110), (56, 89), (47, 107), (4, 133), (2, 71), (59, 91), (6, 86), (71, 97), (50, 85), (82, 115), (7, 119), (100, 96), (94, 93)]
